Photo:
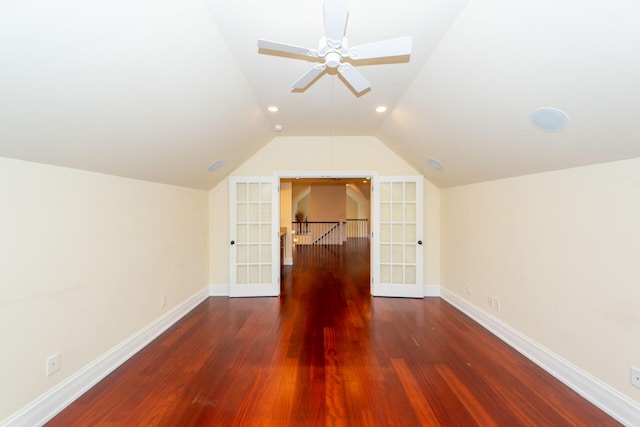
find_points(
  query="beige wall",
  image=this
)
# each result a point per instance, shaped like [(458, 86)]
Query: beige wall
[(561, 250), (85, 260), (286, 217), (316, 154), (328, 203)]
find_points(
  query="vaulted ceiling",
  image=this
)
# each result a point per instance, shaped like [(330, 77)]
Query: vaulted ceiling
[(159, 89)]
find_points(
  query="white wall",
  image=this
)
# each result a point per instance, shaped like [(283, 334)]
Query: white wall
[(320, 154), (561, 250), (85, 259)]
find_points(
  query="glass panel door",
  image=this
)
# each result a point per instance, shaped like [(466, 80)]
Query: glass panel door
[(397, 237), (254, 237)]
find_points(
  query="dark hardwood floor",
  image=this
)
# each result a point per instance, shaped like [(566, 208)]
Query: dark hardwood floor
[(325, 353)]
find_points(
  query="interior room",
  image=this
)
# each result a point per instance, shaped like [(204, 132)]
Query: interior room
[(132, 135)]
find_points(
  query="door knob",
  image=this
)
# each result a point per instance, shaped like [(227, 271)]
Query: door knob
[(419, 242), (233, 242)]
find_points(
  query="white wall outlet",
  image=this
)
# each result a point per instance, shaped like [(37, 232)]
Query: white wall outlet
[(469, 290), (635, 376), (53, 364), (163, 301)]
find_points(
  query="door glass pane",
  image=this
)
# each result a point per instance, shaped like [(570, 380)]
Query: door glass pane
[(397, 191), (266, 272), (241, 254), (397, 272), (265, 254), (410, 253), (241, 192), (398, 254), (253, 212), (410, 212), (266, 192), (254, 192), (385, 253), (241, 274), (397, 234), (410, 233), (241, 213), (254, 233), (265, 232), (398, 213), (410, 192), (385, 233), (254, 274), (241, 230), (410, 274), (385, 273), (265, 212), (385, 212), (254, 254), (385, 192)]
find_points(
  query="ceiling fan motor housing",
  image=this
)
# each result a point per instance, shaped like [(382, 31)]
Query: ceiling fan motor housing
[(333, 59)]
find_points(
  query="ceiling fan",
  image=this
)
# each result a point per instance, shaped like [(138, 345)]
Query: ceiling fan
[(333, 49)]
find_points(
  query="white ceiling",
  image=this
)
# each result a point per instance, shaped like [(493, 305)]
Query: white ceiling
[(159, 89)]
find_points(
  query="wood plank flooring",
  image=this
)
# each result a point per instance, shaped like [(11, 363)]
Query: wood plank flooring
[(325, 353)]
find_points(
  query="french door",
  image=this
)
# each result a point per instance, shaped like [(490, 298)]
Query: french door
[(254, 236), (397, 214)]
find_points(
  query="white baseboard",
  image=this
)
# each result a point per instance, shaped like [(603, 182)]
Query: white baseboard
[(218, 290), (55, 400), (600, 394), (287, 261)]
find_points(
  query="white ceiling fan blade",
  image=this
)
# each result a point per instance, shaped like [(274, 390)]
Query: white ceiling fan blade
[(335, 21), (382, 49), (355, 79), (287, 48), (309, 76)]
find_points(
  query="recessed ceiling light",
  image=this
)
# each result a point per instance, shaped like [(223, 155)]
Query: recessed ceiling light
[(381, 109), (277, 128), (549, 119), (215, 165), (273, 109), (436, 164)]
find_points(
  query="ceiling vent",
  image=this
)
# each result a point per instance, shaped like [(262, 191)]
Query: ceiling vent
[(549, 119)]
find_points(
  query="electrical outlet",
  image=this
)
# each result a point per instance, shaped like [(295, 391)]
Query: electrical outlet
[(496, 304), (635, 376), (53, 364), (163, 301), (469, 290)]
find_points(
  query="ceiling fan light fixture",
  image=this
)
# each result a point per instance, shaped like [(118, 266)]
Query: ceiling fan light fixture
[(549, 119)]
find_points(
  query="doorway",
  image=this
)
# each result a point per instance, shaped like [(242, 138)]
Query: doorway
[(395, 232)]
